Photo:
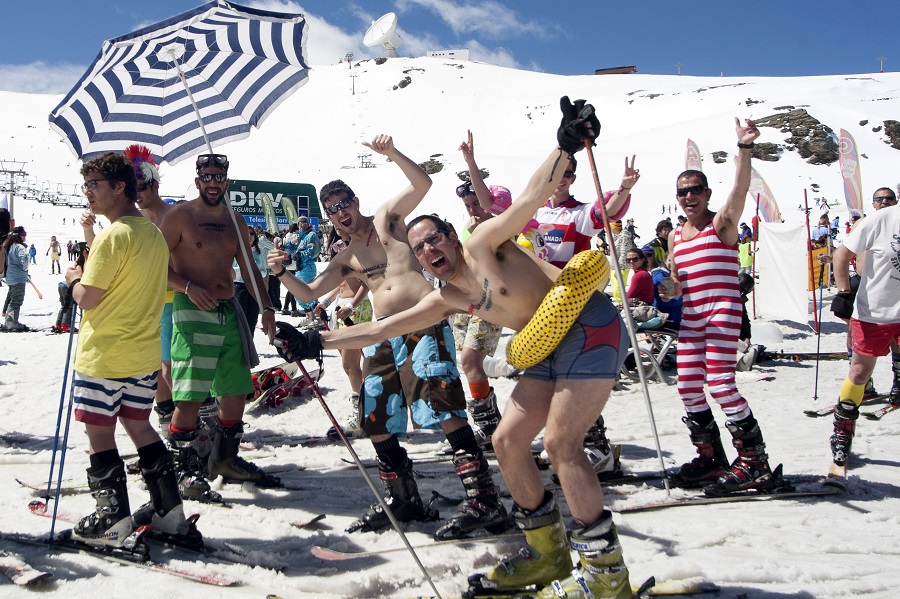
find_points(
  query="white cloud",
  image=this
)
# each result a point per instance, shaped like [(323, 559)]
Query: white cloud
[(490, 19), (40, 77)]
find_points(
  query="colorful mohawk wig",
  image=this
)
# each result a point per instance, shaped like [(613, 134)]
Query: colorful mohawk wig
[(144, 166)]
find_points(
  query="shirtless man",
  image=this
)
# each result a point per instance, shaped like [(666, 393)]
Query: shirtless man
[(492, 277), (429, 383), (208, 325)]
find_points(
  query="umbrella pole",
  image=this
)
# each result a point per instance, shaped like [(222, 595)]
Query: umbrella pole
[(242, 241)]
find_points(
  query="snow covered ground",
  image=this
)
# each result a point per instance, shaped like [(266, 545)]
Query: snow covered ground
[(842, 546)]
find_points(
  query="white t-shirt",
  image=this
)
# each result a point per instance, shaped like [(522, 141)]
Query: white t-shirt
[(878, 235)]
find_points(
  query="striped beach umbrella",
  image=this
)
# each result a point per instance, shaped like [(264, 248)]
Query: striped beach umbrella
[(201, 78)]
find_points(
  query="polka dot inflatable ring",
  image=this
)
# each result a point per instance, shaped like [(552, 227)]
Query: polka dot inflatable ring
[(585, 273)]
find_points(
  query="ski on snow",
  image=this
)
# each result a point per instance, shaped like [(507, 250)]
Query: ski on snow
[(876, 415), (220, 551), (63, 542), (880, 413), (20, 572), (801, 356)]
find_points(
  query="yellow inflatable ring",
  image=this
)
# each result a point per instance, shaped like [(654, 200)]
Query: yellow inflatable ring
[(585, 273)]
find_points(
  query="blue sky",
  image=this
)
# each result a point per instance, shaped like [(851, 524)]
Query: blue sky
[(45, 45)]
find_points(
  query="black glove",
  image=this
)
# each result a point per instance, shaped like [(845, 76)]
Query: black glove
[(578, 124), (293, 345), (842, 305)]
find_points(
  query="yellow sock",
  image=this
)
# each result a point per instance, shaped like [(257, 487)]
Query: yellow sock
[(851, 392)]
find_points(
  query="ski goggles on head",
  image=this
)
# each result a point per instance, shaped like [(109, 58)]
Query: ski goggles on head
[(220, 160), (465, 189)]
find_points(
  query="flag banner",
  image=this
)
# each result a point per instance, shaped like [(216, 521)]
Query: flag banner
[(849, 161), (692, 157), (768, 207)]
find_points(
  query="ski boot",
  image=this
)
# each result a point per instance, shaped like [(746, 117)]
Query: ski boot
[(164, 513), (869, 392), (110, 525), (353, 427), (603, 456), (224, 460), (12, 324), (164, 414), (190, 469), (845, 415), (601, 571), (545, 557), (482, 508), (750, 470), (401, 496), (894, 397), (711, 462), (485, 417)]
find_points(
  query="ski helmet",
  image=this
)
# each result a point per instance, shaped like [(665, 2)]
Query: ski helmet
[(746, 282)]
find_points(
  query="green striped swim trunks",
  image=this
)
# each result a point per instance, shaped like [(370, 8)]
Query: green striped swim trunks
[(207, 356)]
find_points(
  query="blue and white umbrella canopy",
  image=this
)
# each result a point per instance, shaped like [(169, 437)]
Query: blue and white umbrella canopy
[(238, 63)]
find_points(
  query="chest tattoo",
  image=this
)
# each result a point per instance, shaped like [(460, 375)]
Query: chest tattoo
[(486, 300), (377, 270)]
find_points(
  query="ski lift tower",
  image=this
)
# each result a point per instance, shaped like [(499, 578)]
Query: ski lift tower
[(13, 168), (383, 33)]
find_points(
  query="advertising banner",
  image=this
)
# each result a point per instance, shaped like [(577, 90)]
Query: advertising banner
[(274, 205)]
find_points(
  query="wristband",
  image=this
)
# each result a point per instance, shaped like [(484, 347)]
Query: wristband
[(839, 290), (745, 146), (186, 287), (269, 309), (281, 274)]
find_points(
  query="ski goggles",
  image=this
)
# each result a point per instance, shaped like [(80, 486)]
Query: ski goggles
[(465, 189), (220, 160)]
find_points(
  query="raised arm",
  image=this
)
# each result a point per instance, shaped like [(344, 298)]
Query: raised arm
[(407, 200), (726, 219), (481, 190), (618, 203)]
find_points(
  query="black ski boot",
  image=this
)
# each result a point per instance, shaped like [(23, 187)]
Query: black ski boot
[(401, 496), (750, 470), (711, 462), (110, 525), (165, 511), (190, 469), (164, 415), (482, 508), (224, 460), (603, 456), (845, 415), (894, 397), (486, 417)]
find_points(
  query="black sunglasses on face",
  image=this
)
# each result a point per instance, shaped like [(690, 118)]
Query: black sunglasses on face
[(695, 190), (431, 240), (882, 199), (207, 177), (337, 206), (142, 186)]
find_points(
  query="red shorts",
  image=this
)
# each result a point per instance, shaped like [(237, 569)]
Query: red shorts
[(873, 340)]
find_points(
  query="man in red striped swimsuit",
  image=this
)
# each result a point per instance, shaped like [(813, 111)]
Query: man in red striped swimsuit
[(704, 262)]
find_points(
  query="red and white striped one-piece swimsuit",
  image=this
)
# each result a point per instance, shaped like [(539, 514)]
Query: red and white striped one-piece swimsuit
[(710, 323)]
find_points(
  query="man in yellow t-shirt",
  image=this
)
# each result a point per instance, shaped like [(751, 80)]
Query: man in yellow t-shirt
[(121, 291)]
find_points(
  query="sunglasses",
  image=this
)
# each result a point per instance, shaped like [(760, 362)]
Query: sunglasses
[(882, 199), (465, 189), (633, 259), (207, 177), (431, 240), (214, 159), (142, 186), (695, 190), (568, 174), (91, 185), (337, 206)]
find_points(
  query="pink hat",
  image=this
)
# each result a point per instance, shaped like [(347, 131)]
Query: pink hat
[(502, 199)]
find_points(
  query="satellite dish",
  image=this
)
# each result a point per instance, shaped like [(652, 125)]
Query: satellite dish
[(383, 33)]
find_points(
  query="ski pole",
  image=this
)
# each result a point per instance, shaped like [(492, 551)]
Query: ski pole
[(818, 333), (384, 506), (65, 439), (629, 321)]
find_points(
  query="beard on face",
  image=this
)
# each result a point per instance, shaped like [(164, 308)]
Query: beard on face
[(209, 202)]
